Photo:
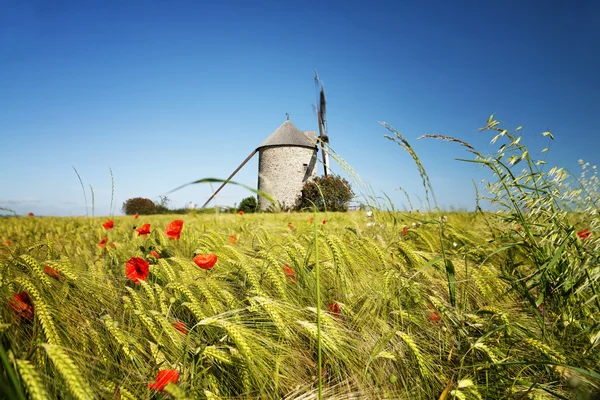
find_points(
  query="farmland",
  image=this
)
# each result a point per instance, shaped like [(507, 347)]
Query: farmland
[(366, 304), (413, 306)]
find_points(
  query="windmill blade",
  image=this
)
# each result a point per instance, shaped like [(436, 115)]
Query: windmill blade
[(322, 103), (321, 111)]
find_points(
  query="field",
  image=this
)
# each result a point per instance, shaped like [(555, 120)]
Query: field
[(388, 326), (369, 304)]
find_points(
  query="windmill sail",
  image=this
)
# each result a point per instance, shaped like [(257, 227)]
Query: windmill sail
[(321, 113)]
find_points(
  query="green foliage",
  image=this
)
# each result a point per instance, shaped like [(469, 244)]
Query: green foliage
[(248, 205), (327, 193), (139, 205)]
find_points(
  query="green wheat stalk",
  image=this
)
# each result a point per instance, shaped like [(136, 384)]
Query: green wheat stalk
[(83, 189)]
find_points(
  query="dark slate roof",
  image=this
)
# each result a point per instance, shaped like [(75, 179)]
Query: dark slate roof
[(288, 135)]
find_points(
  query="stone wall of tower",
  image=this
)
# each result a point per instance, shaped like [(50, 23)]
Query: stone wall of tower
[(282, 171)]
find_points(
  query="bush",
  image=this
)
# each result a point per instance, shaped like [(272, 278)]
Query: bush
[(139, 205), (328, 193), (248, 205)]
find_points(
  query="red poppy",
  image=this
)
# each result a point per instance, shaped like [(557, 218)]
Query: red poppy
[(290, 226), (108, 224), (240, 212), (112, 245), (136, 216), (433, 316), (404, 230), (103, 242), (311, 220), (154, 254), (233, 240), (22, 305), (323, 222), (205, 261), (7, 243), (144, 230), (584, 234), (180, 326), (30, 214), (290, 273), (334, 308), (136, 269), (173, 230), (163, 378), (51, 272)]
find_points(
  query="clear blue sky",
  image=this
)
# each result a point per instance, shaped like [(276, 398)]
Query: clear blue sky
[(170, 92)]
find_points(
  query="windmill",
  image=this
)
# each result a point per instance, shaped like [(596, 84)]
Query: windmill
[(288, 158), (321, 113)]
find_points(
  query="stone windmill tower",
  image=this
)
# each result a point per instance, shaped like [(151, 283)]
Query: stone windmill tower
[(287, 159)]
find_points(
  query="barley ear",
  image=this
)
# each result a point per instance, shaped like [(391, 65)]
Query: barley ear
[(33, 382), (42, 312), (79, 388), (176, 391)]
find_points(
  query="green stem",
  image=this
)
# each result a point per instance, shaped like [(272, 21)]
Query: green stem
[(12, 376), (318, 282)]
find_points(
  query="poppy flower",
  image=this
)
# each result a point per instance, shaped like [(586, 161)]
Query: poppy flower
[(22, 305), (180, 326), (103, 242), (155, 254), (334, 308), (233, 240), (108, 224), (163, 378), (51, 272), (136, 269), (433, 316), (240, 212), (136, 216), (144, 230), (112, 245), (7, 243), (404, 230), (205, 261), (290, 226), (311, 220), (290, 273), (323, 222), (584, 234), (173, 230), (30, 214)]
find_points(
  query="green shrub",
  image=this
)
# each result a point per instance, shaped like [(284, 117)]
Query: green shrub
[(328, 193), (139, 205), (248, 205)]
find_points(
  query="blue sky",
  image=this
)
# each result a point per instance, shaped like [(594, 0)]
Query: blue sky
[(169, 92)]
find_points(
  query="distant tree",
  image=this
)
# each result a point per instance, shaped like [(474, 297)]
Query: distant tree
[(330, 193), (139, 205), (248, 205), (162, 207)]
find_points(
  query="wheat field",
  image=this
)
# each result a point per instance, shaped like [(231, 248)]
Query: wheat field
[(371, 304)]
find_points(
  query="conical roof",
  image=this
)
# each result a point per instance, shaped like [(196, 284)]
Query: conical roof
[(288, 135)]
